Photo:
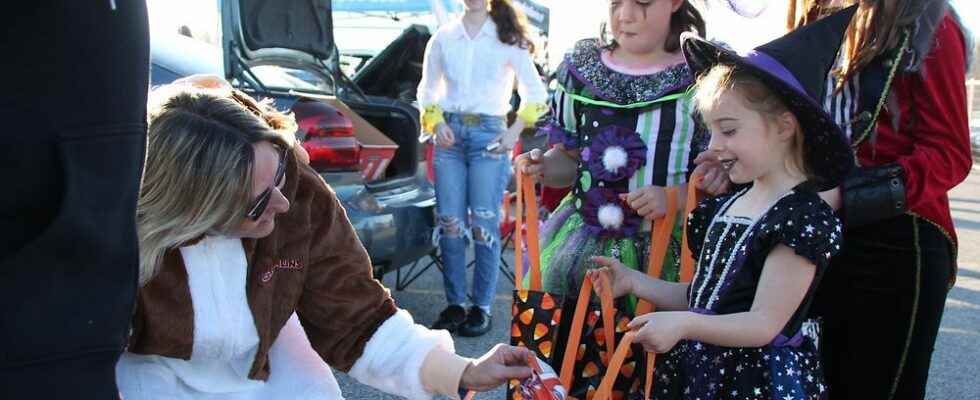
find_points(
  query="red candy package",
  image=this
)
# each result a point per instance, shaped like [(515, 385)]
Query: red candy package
[(543, 383)]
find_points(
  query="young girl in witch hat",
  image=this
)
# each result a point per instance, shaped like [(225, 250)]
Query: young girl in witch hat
[(741, 330)]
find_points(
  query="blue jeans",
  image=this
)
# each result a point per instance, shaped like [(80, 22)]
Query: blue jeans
[(470, 182)]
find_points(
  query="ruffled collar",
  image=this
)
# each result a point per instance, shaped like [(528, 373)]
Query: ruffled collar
[(584, 62)]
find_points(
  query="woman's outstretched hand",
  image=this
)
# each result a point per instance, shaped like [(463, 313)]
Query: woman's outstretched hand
[(499, 365)]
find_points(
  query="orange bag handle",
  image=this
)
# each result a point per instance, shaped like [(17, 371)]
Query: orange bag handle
[(659, 241), (526, 197), (578, 321), (604, 392), (687, 259)]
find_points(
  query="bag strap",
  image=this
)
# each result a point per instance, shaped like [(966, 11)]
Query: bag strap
[(578, 323), (604, 392), (526, 198), (659, 240), (687, 259)]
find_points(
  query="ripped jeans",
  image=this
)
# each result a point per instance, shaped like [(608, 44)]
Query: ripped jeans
[(470, 182)]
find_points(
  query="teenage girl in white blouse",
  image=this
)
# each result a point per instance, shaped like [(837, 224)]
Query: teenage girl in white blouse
[(467, 80)]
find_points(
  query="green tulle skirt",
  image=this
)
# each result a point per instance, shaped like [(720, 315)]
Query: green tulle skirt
[(567, 248)]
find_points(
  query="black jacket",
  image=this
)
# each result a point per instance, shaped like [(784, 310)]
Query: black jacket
[(73, 93)]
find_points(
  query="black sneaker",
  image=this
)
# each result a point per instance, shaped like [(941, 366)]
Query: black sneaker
[(477, 323), (451, 318)]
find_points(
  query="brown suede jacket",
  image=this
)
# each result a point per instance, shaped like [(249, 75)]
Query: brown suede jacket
[(312, 264)]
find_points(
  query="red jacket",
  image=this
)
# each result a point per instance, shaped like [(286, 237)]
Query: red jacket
[(932, 142)]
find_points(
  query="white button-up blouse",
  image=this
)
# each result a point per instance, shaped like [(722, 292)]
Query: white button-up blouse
[(476, 75)]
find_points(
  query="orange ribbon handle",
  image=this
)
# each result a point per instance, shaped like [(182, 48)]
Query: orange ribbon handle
[(659, 240), (687, 259), (526, 198), (604, 392), (578, 323)]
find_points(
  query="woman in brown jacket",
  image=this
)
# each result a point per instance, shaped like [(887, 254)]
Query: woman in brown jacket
[(253, 280)]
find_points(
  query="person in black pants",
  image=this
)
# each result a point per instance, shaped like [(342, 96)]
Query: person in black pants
[(902, 102), (73, 89)]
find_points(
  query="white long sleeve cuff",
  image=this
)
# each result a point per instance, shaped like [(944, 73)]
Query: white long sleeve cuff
[(399, 360)]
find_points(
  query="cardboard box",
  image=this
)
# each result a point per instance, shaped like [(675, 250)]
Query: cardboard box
[(377, 150)]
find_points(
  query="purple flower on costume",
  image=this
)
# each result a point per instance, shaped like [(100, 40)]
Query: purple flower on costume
[(615, 154), (556, 134), (606, 215)]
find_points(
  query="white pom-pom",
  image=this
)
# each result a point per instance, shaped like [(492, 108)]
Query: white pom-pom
[(610, 216), (614, 158)]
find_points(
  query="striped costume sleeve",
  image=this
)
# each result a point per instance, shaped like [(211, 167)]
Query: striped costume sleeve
[(562, 126), (669, 130)]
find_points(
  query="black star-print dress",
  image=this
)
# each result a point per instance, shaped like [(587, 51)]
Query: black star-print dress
[(731, 252)]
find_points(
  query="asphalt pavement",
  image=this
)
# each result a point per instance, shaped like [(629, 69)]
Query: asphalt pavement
[(955, 363)]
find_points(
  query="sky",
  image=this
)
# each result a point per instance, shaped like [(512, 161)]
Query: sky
[(571, 20), (568, 24)]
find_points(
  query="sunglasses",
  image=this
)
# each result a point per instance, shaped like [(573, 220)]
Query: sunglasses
[(259, 205)]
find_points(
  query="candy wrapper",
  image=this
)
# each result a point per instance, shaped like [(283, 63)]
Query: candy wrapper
[(543, 383)]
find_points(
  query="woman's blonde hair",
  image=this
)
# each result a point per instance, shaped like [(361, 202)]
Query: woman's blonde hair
[(198, 173), (723, 78)]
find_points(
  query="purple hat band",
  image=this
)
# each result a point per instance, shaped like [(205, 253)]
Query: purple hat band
[(766, 63)]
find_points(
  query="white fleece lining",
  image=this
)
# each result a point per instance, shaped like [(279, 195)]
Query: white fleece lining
[(393, 357)]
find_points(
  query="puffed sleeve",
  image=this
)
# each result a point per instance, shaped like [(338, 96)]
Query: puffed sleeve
[(561, 126), (808, 226)]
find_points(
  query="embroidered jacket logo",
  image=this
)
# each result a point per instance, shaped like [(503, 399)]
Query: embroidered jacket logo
[(281, 264)]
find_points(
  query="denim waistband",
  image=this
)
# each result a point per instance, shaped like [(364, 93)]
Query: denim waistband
[(472, 119)]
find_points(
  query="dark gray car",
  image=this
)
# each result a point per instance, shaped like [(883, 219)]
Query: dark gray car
[(280, 55)]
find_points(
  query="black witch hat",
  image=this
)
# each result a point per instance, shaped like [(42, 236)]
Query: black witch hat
[(795, 67)]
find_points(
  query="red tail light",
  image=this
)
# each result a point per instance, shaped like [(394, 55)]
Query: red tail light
[(329, 136)]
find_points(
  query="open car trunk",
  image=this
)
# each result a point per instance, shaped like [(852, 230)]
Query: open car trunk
[(399, 122), (397, 70), (298, 34)]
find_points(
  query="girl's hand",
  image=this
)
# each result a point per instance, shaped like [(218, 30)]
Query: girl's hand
[(621, 276), (444, 135), (532, 165), (716, 179), (660, 331), (650, 202)]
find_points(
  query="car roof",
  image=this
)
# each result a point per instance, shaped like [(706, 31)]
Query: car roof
[(183, 55)]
